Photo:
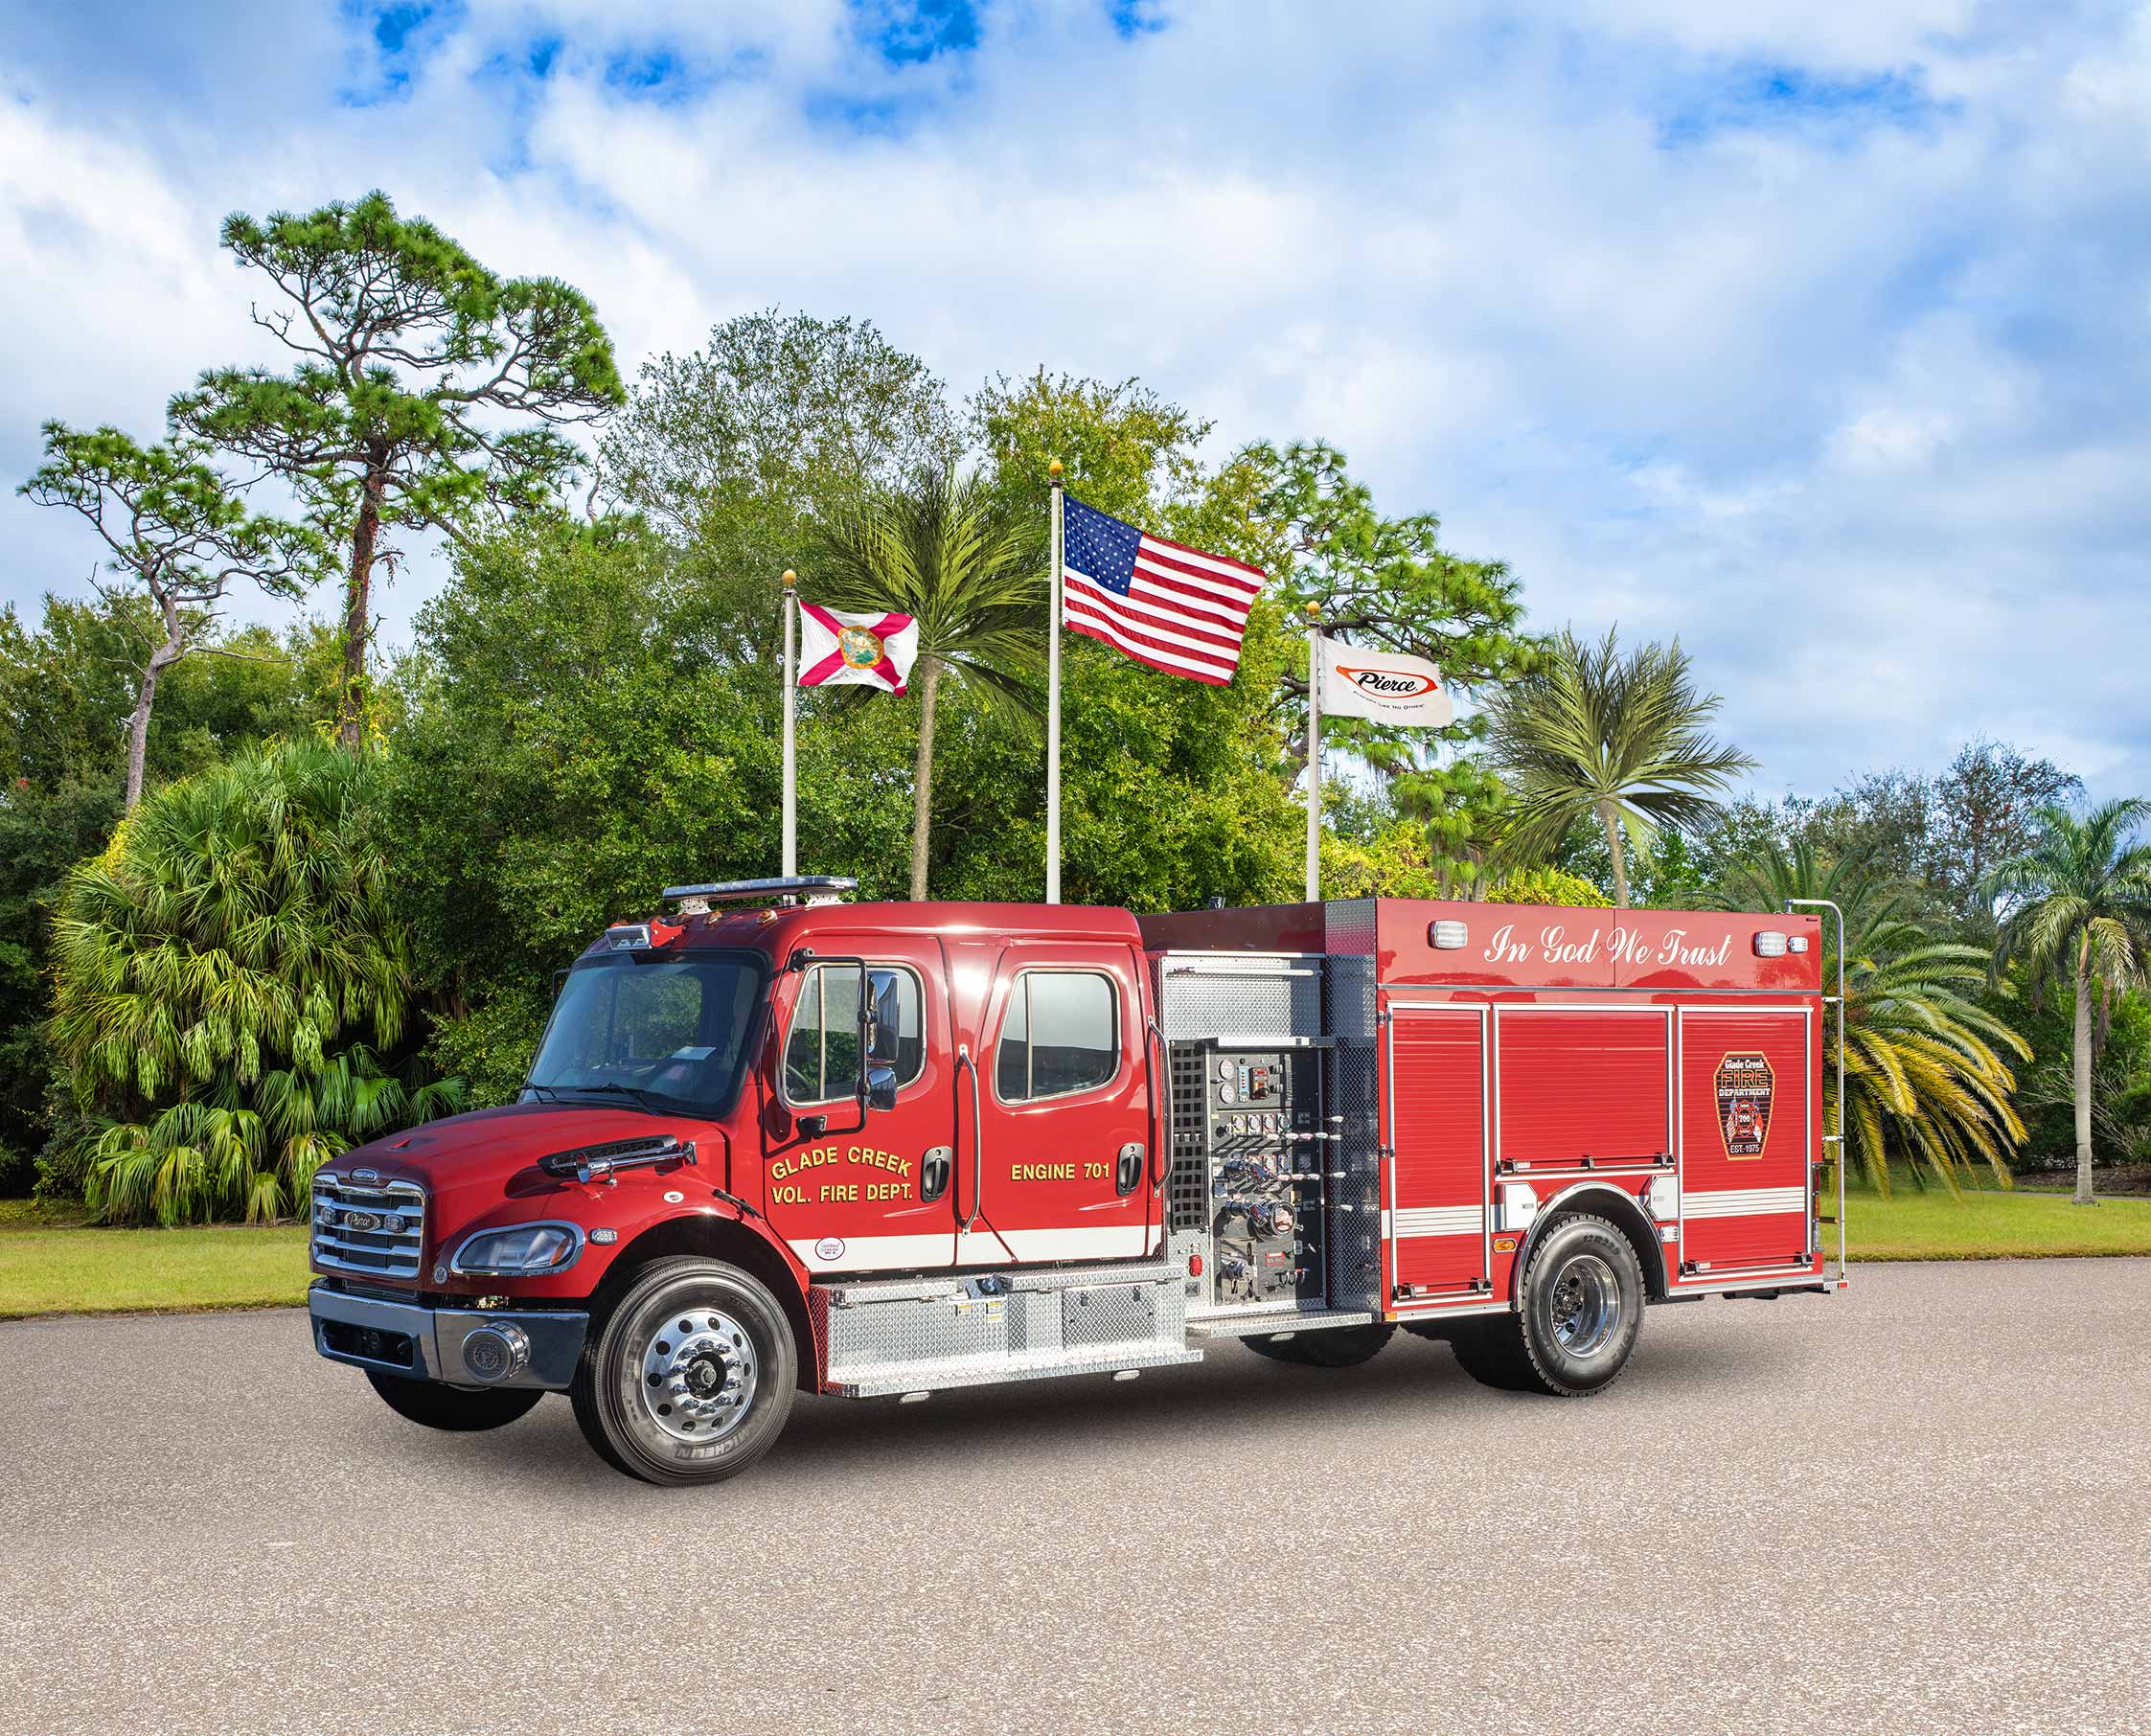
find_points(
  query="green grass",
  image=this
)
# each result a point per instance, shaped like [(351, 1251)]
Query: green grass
[(1987, 1224), (50, 1264), (46, 1270)]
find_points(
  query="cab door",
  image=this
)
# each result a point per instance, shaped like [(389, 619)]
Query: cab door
[(1061, 1165), (853, 1189)]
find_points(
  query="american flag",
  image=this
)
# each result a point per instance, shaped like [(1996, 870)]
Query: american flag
[(1163, 604)]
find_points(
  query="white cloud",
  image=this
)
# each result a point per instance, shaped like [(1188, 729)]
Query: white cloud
[(1814, 335)]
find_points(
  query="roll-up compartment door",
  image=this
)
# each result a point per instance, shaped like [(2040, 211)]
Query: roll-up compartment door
[(1583, 1081), (1437, 1128), (1745, 1136)]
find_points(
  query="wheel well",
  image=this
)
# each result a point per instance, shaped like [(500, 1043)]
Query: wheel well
[(714, 1238), (1620, 1211)]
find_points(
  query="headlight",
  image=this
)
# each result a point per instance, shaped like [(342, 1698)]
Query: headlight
[(527, 1248)]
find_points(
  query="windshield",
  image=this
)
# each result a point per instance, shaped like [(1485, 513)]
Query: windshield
[(669, 1032)]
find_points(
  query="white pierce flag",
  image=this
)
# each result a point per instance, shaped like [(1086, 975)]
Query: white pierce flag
[(1384, 687)]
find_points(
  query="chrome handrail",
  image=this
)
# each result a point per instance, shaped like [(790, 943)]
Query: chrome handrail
[(978, 1141), (1837, 1138)]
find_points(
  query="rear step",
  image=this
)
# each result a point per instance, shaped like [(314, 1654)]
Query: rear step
[(1255, 1324)]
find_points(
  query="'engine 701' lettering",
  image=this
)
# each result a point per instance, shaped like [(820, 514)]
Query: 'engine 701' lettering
[(1041, 1172)]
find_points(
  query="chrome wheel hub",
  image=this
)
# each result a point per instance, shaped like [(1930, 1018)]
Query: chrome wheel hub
[(1586, 1305), (699, 1374)]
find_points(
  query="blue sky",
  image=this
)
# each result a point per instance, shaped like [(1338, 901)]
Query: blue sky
[(1818, 335)]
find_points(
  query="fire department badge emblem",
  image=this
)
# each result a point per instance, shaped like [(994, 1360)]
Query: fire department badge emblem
[(859, 647), (1746, 1086)]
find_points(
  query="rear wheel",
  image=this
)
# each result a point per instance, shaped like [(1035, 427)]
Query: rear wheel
[(690, 1378), (1583, 1307), (1335, 1347), (458, 1409)]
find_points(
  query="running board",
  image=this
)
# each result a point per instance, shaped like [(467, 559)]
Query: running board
[(1254, 1324), (903, 1335)]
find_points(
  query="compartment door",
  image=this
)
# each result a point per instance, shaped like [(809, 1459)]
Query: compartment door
[(1058, 1167), (1435, 1107), (1583, 1081), (1747, 1078)]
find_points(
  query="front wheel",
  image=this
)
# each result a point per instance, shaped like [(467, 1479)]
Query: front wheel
[(457, 1409), (1583, 1307), (691, 1376)]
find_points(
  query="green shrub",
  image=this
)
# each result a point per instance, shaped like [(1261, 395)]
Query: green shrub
[(1545, 886), (228, 976)]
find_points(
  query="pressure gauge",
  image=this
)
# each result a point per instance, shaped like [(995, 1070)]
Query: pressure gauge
[(1226, 1094), (1225, 1068)]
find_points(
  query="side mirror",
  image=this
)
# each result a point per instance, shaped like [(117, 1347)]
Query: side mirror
[(880, 1020), (884, 1019)]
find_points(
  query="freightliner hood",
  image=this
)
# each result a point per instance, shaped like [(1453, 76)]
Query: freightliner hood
[(481, 1169)]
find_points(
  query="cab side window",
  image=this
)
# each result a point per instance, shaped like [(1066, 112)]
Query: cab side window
[(1061, 1034), (821, 1054)]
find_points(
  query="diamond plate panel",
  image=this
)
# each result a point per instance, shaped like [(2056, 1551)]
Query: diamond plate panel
[(923, 1335), (1204, 994), (1113, 1314)]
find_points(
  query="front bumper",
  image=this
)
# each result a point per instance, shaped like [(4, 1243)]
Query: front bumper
[(427, 1343)]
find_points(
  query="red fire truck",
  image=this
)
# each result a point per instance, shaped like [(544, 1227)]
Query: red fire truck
[(774, 1141)]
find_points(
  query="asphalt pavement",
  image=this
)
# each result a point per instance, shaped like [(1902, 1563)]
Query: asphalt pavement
[(1923, 1505)]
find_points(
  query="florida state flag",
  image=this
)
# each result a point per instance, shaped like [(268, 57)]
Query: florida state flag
[(837, 647)]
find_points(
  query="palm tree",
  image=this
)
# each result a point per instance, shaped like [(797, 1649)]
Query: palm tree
[(1923, 1073), (215, 971), (943, 551), (2079, 908), (1622, 738)]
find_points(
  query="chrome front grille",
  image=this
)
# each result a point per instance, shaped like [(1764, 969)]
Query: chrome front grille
[(375, 1228)]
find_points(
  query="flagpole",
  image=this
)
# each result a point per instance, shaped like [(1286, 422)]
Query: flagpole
[(1053, 704), (1314, 753), (790, 706)]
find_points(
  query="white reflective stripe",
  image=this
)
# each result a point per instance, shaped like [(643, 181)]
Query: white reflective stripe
[(1438, 1220), (1742, 1201), (981, 1247), (871, 1253), (1102, 1242)]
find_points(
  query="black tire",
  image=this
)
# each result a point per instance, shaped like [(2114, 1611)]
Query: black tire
[(457, 1409), (1583, 1306), (735, 1339), (1330, 1347), (1491, 1351)]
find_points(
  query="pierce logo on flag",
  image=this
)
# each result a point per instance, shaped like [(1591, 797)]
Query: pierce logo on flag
[(1176, 609), (1388, 683), (1384, 687), (839, 648)]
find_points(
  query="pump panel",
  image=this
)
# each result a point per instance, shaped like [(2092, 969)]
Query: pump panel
[(1247, 1192)]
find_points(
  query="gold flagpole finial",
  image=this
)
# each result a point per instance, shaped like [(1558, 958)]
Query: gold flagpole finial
[(791, 578), (1053, 468), (1313, 611)]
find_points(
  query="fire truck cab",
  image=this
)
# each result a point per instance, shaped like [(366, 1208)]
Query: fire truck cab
[(774, 1141)]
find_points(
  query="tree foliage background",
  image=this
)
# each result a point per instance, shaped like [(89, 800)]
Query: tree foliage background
[(589, 711)]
